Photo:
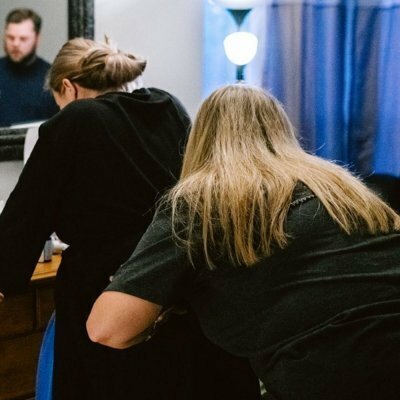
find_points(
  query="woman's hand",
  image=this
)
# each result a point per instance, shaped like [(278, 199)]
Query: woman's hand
[(1, 297)]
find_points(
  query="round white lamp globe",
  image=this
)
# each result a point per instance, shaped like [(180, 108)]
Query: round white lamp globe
[(241, 47)]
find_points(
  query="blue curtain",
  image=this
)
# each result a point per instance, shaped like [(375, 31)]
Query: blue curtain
[(335, 65)]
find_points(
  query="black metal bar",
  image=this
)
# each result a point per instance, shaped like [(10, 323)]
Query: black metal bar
[(240, 73), (81, 19)]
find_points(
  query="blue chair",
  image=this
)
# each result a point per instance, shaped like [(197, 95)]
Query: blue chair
[(44, 376)]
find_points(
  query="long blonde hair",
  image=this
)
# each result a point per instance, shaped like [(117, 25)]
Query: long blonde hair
[(94, 65), (241, 165)]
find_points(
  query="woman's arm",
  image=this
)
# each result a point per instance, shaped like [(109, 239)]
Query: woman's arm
[(157, 272), (120, 320)]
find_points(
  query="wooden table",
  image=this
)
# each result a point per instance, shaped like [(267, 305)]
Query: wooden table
[(47, 270), (23, 319)]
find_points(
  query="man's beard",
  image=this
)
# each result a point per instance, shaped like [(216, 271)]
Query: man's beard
[(25, 61)]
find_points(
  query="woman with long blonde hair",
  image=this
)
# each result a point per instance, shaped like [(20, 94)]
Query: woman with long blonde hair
[(286, 259)]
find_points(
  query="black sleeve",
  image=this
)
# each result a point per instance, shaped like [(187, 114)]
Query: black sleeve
[(28, 216), (158, 270)]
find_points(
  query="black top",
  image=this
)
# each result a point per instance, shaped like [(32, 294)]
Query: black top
[(318, 320), (93, 177), (22, 94)]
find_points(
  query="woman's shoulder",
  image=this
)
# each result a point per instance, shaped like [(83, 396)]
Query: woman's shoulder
[(157, 95), (68, 124), (75, 109), (140, 95), (82, 106), (78, 110), (158, 92)]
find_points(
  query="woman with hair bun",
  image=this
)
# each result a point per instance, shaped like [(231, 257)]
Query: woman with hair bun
[(93, 178)]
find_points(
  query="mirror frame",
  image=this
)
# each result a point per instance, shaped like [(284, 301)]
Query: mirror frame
[(80, 24), (81, 19)]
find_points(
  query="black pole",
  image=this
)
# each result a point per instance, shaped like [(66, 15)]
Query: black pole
[(81, 19), (240, 73), (239, 16)]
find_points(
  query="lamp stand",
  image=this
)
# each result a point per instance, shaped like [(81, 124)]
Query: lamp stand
[(240, 73)]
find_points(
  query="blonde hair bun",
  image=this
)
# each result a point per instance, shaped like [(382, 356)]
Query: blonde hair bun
[(94, 65)]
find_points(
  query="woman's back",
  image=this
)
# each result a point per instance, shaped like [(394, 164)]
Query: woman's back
[(117, 157), (319, 319), (104, 207), (285, 258), (322, 273)]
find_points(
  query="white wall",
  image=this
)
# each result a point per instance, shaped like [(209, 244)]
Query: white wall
[(54, 23), (168, 33), (9, 173)]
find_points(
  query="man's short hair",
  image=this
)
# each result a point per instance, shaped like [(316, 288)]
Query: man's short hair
[(22, 14)]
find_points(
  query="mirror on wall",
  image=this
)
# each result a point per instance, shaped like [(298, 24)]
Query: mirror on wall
[(61, 19), (54, 30)]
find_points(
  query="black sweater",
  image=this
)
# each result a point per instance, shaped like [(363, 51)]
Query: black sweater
[(22, 96)]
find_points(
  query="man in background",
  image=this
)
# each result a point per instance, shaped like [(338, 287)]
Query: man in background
[(22, 72)]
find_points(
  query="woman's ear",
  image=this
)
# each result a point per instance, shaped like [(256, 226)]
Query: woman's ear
[(68, 88)]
